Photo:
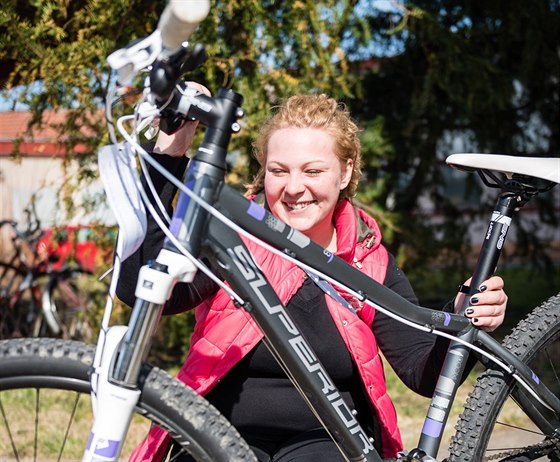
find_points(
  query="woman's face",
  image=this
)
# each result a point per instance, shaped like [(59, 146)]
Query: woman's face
[(303, 179)]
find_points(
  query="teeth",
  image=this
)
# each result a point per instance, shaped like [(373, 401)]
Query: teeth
[(298, 206)]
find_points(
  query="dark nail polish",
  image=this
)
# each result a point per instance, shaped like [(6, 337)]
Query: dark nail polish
[(469, 311), (475, 320), (474, 300), (482, 288)]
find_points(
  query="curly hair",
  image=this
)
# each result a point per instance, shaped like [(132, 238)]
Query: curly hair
[(312, 111)]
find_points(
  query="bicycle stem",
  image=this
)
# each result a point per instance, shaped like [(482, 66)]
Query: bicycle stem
[(458, 354)]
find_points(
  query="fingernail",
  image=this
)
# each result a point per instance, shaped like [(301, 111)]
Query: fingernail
[(469, 311), (482, 288), (474, 300), (475, 320)]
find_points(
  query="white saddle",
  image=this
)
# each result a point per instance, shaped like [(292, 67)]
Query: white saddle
[(547, 168)]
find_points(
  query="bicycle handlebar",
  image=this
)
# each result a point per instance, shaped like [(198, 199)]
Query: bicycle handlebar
[(179, 20), (33, 222), (32, 229), (8, 222)]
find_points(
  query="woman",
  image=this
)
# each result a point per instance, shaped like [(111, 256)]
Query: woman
[(309, 156)]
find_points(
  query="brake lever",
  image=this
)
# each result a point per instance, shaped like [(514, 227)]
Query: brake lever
[(167, 70), (170, 121), (196, 58), (166, 77)]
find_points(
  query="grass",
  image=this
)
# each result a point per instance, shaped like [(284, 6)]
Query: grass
[(411, 408), (57, 409), (57, 406)]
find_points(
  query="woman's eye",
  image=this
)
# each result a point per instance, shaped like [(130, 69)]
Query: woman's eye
[(313, 172)]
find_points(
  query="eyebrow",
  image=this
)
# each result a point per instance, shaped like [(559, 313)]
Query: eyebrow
[(319, 162)]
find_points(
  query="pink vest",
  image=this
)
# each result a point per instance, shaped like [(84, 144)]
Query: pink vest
[(223, 334)]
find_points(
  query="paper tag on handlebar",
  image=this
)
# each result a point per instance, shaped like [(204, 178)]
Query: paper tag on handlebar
[(117, 170)]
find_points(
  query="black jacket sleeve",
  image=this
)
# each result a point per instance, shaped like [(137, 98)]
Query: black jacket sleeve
[(184, 296), (415, 356)]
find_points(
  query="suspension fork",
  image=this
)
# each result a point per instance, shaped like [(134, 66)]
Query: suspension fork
[(457, 356), (122, 351), (115, 387)]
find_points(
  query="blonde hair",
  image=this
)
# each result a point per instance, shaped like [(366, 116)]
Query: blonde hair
[(312, 111)]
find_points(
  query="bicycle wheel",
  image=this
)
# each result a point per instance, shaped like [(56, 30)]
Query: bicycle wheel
[(18, 302), (45, 410), (67, 302), (10, 279), (495, 424)]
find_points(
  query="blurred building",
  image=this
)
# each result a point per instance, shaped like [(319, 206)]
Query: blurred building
[(33, 169)]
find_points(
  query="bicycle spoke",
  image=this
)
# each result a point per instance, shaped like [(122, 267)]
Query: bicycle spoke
[(506, 448), (70, 422), (176, 456), (12, 442), (37, 398), (516, 427), (552, 365)]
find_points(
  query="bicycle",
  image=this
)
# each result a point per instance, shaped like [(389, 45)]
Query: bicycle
[(16, 311), (39, 284), (209, 219)]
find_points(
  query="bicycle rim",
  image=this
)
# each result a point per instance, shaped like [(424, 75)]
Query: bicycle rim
[(495, 424), (67, 304), (45, 408), (18, 315)]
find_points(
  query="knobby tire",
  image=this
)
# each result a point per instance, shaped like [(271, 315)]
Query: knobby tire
[(536, 340), (42, 364)]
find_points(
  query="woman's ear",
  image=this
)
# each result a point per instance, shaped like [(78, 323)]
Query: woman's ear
[(346, 174)]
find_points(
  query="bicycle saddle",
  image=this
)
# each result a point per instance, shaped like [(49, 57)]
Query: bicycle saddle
[(546, 168)]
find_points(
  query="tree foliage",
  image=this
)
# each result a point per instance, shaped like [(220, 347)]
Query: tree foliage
[(469, 76), (420, 77), (264, 50)]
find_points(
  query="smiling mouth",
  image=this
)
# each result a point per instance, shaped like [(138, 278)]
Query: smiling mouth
[(298, 205)]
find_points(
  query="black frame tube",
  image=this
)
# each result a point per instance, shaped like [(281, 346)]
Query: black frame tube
[(458, 354), (228, 253)]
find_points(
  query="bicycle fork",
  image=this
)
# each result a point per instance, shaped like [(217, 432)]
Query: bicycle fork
[(120, 354)]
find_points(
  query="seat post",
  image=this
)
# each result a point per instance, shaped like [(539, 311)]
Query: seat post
[(457, 357)]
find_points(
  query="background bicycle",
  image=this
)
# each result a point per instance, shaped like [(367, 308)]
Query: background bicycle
[(16, 315), (47, 280)]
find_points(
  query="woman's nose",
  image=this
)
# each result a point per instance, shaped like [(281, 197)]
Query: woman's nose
[(294, 184)]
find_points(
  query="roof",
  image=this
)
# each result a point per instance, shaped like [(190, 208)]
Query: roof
[(14, 124), (44, 140)]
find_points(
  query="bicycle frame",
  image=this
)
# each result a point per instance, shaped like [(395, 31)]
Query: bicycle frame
[(204, 234)]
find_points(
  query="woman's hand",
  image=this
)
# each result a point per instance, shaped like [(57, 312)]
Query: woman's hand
[(178, 143), (488, 305)]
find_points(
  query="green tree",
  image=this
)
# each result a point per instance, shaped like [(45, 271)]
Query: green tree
[(419, 77), (55, 52), (486, 74)]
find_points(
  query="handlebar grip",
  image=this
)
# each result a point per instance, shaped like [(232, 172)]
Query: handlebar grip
[(179, 20)]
